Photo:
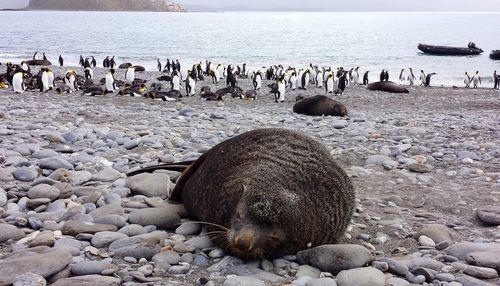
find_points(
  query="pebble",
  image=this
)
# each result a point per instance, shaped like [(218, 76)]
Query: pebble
[(29, 279), (8, 232), (366, 276), (105, 238), (150, 185), (489, 215), (89, 280), (242, 281), (334, 258), (93, 267), (162, 218), (44, 264)]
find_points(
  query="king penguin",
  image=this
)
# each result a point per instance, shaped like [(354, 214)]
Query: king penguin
[(190, 85), (411, 77), (402, 76), (159, 66), (176, 81), (329, 83), (50, 77), (42, 80), (110, 84), (355, 76), (280, 93), (467, 80), (476, 79), (319, 78), (61, 60), (496, 80), (70, 80), (130, 75), (257, 80), (18, 82), (366, 81), (304, 79)]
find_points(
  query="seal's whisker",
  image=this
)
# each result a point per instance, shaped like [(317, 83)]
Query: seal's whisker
[(214, 233), (208, 223)]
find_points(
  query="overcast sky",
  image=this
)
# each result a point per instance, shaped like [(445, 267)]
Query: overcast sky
[(328, 5)]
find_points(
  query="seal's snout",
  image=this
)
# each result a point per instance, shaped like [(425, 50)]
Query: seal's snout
[(245, 240), (244, 244)]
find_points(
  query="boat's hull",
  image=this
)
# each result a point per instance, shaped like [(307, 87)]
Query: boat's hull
[(449, 51)]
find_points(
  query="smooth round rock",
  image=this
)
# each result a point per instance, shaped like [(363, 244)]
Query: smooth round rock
[(105, 238), (150, 185), (163, 218), (366, 276), (89, 280), (489, 215), (29, 279), (242, 281), (8, 232), (334, 258)]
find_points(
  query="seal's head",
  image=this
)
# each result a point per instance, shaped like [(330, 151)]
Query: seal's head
[(262, 223)]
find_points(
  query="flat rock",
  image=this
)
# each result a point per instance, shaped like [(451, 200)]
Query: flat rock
[(460, 250), (73, 227), (366, 276), (93, 267), (44, 264), (44, 191), (321, 282), (334, 258), (107, 175), (485, 259), (150, 185), (254, 272), (437, 232), (105, 238), (377, 159), (419, 168), (489, 215), (54, 163), (163, 218), (481, 272), (413, 262), (29, 279), (242, 281), (8, 232), (139, 246), (89, 280), (467, 280)]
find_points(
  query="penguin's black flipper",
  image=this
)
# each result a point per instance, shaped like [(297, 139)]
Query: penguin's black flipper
[(178, 167)]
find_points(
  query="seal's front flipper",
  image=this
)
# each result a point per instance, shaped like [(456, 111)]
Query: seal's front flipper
[(178, 167)]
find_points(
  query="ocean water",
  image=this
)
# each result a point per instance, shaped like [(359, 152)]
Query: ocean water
[(372, 41)]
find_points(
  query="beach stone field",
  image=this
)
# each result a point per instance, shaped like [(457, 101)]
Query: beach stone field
[(425, 166)]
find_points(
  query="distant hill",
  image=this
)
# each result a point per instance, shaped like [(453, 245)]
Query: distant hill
[(106, 5)]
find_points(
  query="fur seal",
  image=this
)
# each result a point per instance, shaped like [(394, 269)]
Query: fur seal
[(125, 66), (272, 192), (387, 86), (319, 105)]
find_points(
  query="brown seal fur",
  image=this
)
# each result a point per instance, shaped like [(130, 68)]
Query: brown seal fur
[(276, 191), (319, 105), (387, 86)]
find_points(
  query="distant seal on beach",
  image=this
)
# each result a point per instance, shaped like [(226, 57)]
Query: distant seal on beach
[(139, 68), (387, 86), (272, 192), (319, 105), (38, 62), (125, 66)]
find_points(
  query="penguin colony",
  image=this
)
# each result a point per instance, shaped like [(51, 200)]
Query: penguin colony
[(179, 81)]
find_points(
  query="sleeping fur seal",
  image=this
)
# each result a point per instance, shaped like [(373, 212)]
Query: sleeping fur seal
[(387, 86), (319, 105), (272, 191)]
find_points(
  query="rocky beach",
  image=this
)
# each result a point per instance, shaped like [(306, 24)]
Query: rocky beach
[(425, 166)]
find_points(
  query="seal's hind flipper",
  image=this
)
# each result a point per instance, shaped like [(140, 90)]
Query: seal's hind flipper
[(176, 194), (179, 167)]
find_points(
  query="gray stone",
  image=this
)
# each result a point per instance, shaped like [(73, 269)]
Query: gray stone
[(163, 218), (419, 168), (29, 279), (107, 210), (481, 272), (150, 185), (413, 262), (107, 175), (44, 191), (225, 263), (366, 276), (467, 280), (166, 258), (447, 277), (25, 174), (8, 232), (377, 159), (252, 271), (73, 227), (460, 250), (139, 246), (321, 282), (44, 153), (44, 264), (200, 242), (437, 232), (105, 238), (334, 258), (113, 219), (485, 259), (132, 230), (89, 280), (242, 281), (93, 267), (306, 270), (189, 228), (54, 163), (489, 215)]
